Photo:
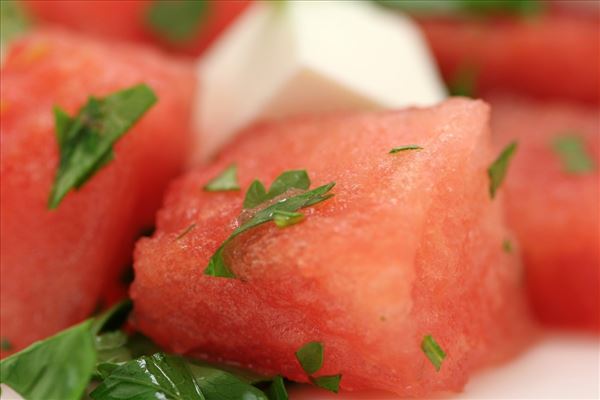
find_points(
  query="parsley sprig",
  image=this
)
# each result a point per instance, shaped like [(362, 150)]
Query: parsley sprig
[(85, 141), (310, 356), (257, 196)]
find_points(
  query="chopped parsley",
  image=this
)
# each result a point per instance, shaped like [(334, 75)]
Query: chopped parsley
[(85, 141), (310, 357), (177, 21), (433, 351), (405, 148), (331, 382), (186, 231), (478, 7), (507, 246), (497, 171), (100, 352), (287, 181), (227, 180), (284, 219), (572, 153)]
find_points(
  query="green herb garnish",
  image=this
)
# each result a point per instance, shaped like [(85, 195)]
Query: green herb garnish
[(284, 219), (85, 142), (478, 7), (227, 180), (464, 82), (573, 155), (331, 382), (55, 368), (5, 344), (507, 246), (310, 357), (404, 148), (276, 390), (433, 351), (497, 171), (254, 197), (177, 21)]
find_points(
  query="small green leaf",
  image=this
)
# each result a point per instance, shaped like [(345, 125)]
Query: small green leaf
[(5, 344), (405, 148), (477, 7), (284, 219), (571, 150), (497, 171), (331, 382), (227, 180), (255, 195), (59, 367), (149, 378), (217, 266), (85, 142), (111, 347), (310, 357), (217, 384), (433, 351), (507, 246), (463, 82), (177, 21), (277, 390)]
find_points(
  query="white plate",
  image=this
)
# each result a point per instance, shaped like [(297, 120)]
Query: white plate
[(560, 366)]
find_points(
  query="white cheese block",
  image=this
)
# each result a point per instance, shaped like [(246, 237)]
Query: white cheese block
[(300, 57)]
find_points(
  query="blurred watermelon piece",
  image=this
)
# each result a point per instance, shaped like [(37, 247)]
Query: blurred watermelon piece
[(549, 55), (132, 20), (554, 213), (55, 264), (410, 245)]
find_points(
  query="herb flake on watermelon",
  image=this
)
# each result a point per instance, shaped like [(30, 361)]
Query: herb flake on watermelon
[(433, 351), (572, 153), (497, 171), (226, 180), (256, 196), (86, 141), (405, 148)]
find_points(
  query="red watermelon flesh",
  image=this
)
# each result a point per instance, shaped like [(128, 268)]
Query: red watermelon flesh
[(554, 214), (55, 264), (526, 55), (410, 245), (127, 20)]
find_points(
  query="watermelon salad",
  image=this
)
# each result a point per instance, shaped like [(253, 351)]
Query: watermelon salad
[(393, 221)]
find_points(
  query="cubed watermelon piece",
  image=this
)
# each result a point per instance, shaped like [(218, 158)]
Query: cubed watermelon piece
[(411, 245), (55, 264), (128, 20), (554, 214), (532, 55)]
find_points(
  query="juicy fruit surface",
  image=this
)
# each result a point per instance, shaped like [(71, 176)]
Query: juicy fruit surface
[(55, 264), (527, 55), (127, 20), (554, 214), (410, 245)]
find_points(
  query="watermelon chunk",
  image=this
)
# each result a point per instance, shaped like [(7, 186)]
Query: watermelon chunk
[(55, 264), (128, 20), (526, 55), (411, 245), (554, 214)]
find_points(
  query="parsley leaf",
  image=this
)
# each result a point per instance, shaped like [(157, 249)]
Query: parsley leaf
[(291, 179), (227, 180), (310, 357), (111, 347), (257, 194), (497, 171), (479, 7), (85, 141), (177, 21), (331, 382), (433, 351), (284, 219), (572, 153), (276, 390), (217, 384), (150, 377), (55, 368), (404, 148)]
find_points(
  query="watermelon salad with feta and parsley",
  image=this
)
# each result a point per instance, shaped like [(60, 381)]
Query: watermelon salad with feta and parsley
[(395, 221)]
